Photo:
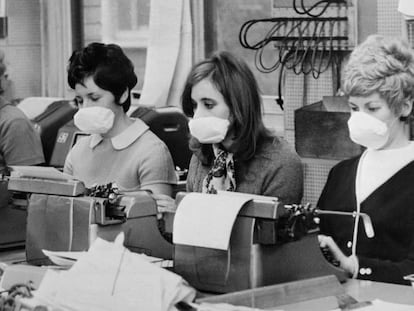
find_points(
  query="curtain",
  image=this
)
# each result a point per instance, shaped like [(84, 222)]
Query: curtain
[(56, 46), (169, 55)]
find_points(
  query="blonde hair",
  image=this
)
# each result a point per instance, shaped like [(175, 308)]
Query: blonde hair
[(383, 65)]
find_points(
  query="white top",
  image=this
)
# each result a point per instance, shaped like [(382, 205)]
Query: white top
[(378, 166)]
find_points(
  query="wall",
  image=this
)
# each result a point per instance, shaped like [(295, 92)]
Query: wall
[(373, 16), (93, 33), (22, 46), (228, 17), (231, 15)]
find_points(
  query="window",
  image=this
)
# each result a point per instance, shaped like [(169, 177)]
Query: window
[(126, 22)]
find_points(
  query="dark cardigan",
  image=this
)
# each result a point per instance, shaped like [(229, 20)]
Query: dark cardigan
[(389, 255)]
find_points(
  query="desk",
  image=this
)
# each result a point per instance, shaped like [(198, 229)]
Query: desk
[(358, 289), (315, 294), (12, 255), (361, 291), (368, 290)]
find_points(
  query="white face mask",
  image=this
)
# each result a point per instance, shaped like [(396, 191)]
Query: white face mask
[(94, 120), (406, 8), (209, 130), (368, 131)]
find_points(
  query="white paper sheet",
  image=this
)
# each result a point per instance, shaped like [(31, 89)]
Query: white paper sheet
[(381, 305), (67, 259), (38, 172), (206, 220), (406, 7), (108, 278), (255, 197), (61, 258), (224, 307)]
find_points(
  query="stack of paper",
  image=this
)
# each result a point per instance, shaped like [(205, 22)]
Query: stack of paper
[(110, 277)]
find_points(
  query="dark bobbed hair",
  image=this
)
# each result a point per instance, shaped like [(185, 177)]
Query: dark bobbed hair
[(110, 68), (235, 81)]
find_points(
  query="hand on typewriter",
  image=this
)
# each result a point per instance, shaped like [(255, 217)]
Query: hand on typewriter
[(109, 190), (347, 263), (165, 203)]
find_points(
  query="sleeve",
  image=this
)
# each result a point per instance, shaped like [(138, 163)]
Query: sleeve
[(285, 181), (385, 268), (388, 271), (324, 203), (157, 166), (21, 144), (68, 167), (338, 193)]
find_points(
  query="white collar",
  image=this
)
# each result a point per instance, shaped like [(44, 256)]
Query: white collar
[(124, 139)]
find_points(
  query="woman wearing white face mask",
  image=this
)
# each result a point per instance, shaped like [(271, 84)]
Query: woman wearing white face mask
[(120, 149), (233, 150), (379, 80)]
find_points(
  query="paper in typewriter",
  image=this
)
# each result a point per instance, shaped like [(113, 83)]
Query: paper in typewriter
[(206, 220), (38, 172)]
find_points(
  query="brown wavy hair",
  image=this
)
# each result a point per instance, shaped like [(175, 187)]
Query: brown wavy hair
[(235, 81)]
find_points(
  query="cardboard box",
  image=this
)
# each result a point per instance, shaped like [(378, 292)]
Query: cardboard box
[(321, 130)]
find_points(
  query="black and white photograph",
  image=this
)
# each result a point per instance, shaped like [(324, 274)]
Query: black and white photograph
[(206, 155)]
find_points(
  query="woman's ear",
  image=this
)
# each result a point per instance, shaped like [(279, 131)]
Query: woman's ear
[(406, 108), (124, 96)]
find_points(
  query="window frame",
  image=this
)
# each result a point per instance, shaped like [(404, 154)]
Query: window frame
[(138, 38)]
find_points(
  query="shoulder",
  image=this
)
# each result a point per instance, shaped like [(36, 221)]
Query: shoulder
[(82, 144), (150, 143), (278, 150), (151, 150), (12, 115), (346, 165), (275, 144), (14, 123), (78, 153), (83, 141), (13, 111), (275, 157), (342, 174)]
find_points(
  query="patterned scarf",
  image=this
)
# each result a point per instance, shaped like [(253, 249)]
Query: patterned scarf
[(221, 174)]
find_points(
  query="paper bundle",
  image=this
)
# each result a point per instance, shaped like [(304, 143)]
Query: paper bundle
[(110, 277)]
